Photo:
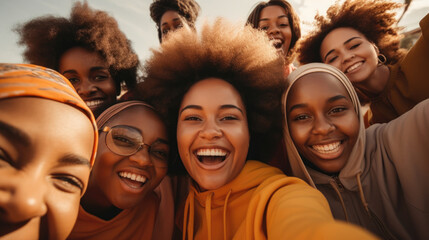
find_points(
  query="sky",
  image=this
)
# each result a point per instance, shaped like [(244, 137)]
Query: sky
[(134, 19)]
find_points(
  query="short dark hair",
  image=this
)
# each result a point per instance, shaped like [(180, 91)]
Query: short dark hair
[(47, 38), (375, 19), (242, 56), (253, 20), (189, 9)]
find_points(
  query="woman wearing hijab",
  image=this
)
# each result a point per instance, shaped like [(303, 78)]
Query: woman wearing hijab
[(375, 178)]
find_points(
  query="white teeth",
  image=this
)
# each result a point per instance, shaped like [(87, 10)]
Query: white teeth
[(93, 103), (133, 176), (212, 152), (328, 148), (353, 67)]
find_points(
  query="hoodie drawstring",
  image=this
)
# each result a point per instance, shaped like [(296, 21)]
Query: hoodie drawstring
[(362, 196), (224, 214), (334, 185), (208, 209)]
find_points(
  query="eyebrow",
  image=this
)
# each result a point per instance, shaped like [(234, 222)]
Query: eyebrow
[(15, 133), (343, 44), (266, 19), (226, 106), (73, 159), (330, 100), (91, 69), (161, 140), (190, 107)]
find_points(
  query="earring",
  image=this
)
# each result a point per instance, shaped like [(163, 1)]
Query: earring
[(381, 59)]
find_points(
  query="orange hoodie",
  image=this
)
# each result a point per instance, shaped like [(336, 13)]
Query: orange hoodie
[(260, 203)]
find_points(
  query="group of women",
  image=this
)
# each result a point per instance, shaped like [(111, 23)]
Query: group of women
[(200, 144)]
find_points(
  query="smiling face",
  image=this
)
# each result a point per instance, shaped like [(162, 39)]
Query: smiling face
[(91, 78), (124, 181), (45, 148), (212, 133), (350, 51), (274, 21), (171, 21), (322, 121)]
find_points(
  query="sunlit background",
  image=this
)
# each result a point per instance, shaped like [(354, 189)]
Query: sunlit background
[(134, 19)]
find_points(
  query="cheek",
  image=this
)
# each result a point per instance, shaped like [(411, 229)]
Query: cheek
[(64, 209), (108, 87)]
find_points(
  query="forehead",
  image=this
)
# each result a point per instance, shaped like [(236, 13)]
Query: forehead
[(169, 16), (317, 85), (339, 35), (79, 56), (48, 123), (212, 91), (272, 11)]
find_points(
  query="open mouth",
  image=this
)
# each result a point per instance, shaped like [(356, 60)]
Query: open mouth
[(353, 67), (211, 156), (133, 180), (327, 148), (277, 43), (94, 103)]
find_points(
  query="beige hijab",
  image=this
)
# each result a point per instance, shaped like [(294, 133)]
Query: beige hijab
[(355, 163)]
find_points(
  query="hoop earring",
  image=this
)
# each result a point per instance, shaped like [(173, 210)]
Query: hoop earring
[(381, 59)]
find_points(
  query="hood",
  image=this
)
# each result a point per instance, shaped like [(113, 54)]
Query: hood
[(355, 163), (254, 175)]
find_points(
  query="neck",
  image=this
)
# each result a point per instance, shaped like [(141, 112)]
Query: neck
[(95, 203)]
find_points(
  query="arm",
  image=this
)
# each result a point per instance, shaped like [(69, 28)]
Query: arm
[(301, 212), (409, 76)]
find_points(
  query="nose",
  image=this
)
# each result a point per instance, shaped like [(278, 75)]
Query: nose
[(348, 56), (322, 126), (86, 88), (273, 30), (22, 198), (142, 157), (210, 130)]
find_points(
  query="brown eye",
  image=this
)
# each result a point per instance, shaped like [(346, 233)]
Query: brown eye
[(67, 183)]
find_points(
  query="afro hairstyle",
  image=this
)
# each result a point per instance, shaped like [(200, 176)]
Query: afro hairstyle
[(240, 55), (47, 38), (375, 19)]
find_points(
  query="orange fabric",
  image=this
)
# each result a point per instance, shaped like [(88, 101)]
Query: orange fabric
[(263, 203), (134, 223), (26, 80)]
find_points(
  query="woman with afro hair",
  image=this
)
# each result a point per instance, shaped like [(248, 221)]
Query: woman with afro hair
[(88, 48), (170, 15), (218, 91), (281, 23), (360, 38)]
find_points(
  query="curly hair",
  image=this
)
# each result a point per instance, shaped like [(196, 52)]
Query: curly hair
[(240, 55), (47, 38), (254, 16), (373, 18), (189, 9)]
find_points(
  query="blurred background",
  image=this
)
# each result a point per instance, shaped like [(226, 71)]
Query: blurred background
[(134, 19)]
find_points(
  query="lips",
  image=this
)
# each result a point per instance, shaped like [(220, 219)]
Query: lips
[(134, 181), (96, 103), (353, 67), (277, 43), (211, 158), (327, 148)]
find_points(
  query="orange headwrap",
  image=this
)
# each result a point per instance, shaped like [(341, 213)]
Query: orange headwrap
[(25, 80)]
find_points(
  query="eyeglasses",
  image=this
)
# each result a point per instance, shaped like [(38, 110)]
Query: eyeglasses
[(126, 141)]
